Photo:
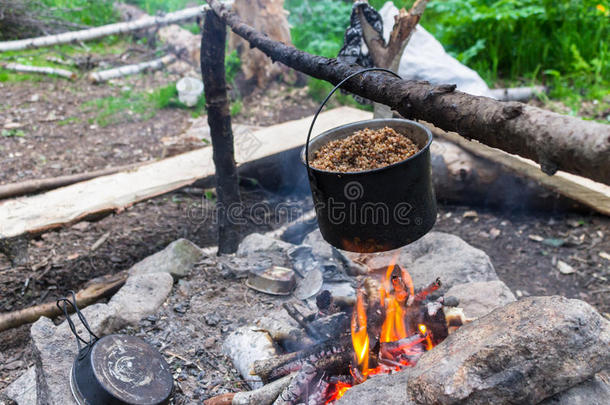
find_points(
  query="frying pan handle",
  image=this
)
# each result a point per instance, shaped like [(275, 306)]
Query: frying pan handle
[(63, 304), (315, 117)]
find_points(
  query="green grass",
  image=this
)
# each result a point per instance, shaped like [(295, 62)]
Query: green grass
[(137, 105)]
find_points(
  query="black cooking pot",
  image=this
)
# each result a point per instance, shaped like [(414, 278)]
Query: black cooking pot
[(373, 210), (116, 369)]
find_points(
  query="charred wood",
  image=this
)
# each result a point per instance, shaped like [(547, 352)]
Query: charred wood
[(333, 355), (298, 386)]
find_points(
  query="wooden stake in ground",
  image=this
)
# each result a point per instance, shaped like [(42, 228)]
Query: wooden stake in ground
[(213, 43), (94, 291), (556, 142), (44, 70), (156, 64)]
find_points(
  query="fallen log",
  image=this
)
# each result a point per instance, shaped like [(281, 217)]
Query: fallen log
[(99, 32), (484, 174), (95, 290), (554, 141), (35, 186), (127, 70), (517, 93), (43, 70)]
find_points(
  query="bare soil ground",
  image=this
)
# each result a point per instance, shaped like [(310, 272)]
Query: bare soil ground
[(61, 138)]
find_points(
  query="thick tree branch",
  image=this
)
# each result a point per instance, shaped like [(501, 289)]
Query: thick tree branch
[(555, 141)]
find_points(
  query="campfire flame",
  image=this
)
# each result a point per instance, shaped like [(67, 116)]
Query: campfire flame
[(399, 345)]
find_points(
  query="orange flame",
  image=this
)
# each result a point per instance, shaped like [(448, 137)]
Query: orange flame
[(394, 296), (360, 337)]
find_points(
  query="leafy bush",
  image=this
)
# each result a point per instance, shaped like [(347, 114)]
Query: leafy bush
[(165, 6), (318, 25), (517, 38)]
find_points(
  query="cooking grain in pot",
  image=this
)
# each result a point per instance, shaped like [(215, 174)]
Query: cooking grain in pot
[(365, 149)]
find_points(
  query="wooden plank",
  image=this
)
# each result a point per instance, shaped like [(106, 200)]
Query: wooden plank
[(587, 192), (68, 205)]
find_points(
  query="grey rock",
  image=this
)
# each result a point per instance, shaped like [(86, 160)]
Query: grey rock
[(264, 251), (480, 298), (23, 389), (390, 389), (334, 263), (141, 296), (343, 289), (176, 259), (521, 353), (232, 267), (439, 254), (319, 247), (255, 242), (54, 349), (594, 391)]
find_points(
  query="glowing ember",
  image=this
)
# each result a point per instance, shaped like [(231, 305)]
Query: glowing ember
[(399, 345), (337, 391)]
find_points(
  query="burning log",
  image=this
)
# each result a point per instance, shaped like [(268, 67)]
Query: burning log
[(424, 292), (330, 355), (298, 386)]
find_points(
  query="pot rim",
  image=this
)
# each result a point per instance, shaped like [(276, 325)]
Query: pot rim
[(372, 120)]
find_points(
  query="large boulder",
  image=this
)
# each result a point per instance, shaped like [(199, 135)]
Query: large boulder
[(480, 298), (522, 353)]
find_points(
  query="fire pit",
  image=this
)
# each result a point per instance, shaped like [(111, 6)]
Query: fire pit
[(384, 330)]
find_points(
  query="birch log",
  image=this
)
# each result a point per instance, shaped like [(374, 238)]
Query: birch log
[(45, 70), (156, 64), (105, 30)]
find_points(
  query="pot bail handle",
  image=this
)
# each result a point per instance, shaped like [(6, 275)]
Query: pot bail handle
[(315, 117), (63, 304)]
